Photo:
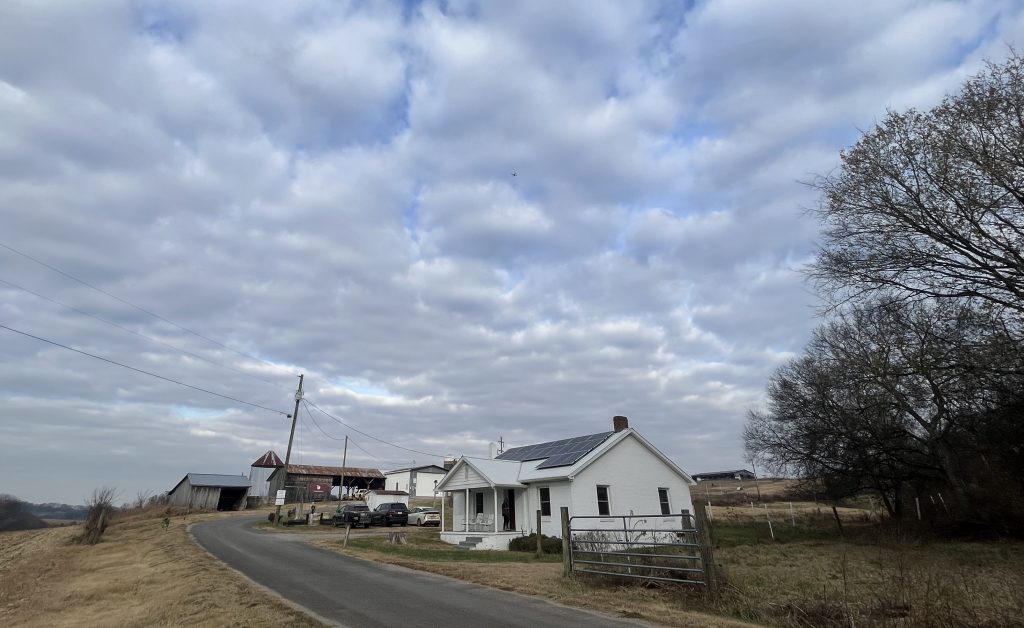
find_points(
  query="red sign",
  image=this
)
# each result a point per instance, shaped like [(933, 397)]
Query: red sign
[(315, 487)]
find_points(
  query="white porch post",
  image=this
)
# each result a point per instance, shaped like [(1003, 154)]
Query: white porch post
[(442, 510), (465, 511), (495, 509)]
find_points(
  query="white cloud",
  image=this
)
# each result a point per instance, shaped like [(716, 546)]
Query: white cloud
[(328, 188)]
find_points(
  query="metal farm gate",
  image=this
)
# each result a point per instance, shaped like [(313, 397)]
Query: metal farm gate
[(665, 548)]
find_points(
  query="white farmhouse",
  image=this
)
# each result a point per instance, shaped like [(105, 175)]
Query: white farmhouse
[(417, 481), (603, 475)]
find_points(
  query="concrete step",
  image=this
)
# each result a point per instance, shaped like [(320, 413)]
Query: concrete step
[(475, 539)]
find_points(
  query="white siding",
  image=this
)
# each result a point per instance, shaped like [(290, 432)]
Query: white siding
[(465, 477), (258, 477), (373, 499), (396, 481), (425, 482), (561, 495), (633, 475)]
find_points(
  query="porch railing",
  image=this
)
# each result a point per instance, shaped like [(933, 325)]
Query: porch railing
[(477, 523)]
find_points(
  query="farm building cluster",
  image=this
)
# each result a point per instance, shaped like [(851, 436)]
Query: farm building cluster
[(491, 499)]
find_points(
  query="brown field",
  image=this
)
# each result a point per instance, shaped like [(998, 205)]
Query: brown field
[(139, 575), (885, 583), (746, 490)]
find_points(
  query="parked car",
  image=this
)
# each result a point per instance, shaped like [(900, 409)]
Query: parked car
[(388, 514), (423, 516), (354, 514)]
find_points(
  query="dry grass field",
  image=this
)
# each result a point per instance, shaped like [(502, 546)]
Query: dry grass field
[(875, 583), (544, 579), (806, 576), (140, 574)]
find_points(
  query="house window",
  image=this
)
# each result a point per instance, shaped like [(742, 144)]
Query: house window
[(479, 503), (666, 508), (602, 501), (545, 501)]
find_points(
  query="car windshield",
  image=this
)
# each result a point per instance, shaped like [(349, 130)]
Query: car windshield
[(360, 508)]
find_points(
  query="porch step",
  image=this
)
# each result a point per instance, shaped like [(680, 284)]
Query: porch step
[(470, 542)]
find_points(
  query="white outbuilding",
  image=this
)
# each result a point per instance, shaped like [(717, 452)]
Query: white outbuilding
[(376, 498), (417, 481)]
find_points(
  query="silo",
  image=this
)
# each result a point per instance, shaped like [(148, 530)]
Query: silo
[(260, 472)]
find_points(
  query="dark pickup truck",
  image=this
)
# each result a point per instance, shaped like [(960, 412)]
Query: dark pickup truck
[(388, 514), (353, 514)]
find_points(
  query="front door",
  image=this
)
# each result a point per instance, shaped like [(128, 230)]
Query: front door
[(510, 499)]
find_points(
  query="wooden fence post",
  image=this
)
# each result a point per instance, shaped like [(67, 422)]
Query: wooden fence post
[(566, 542), (839, 522), (540, 546), (706, 542)]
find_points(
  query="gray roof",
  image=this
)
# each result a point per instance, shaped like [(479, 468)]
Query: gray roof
[(426, 466), (216, 479)]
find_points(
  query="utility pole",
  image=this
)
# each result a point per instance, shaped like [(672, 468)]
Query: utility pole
[(344, 459), (288, 454)]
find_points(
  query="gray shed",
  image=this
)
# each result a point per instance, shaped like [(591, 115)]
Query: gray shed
[(210, 491)]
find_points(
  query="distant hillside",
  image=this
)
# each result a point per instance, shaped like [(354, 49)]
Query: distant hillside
[(14, 516), (57, 511)]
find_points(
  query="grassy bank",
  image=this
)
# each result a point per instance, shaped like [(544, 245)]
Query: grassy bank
[(140, 574)]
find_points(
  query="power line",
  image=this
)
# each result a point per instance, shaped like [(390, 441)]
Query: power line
[(138, 370), (381, 440), (132, 331), (351, 440), (130, 304), (370, 436)]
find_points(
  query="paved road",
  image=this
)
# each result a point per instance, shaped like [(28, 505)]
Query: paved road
[(357, 593)]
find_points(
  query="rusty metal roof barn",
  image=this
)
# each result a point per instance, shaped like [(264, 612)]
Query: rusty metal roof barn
[(299, 476)]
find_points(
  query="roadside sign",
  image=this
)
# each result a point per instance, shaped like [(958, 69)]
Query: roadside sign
[(279, 500)]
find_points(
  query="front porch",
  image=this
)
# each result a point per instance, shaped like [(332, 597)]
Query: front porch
[(483, 517)]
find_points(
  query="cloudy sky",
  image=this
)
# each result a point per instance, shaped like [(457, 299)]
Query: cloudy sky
[(459, 220)]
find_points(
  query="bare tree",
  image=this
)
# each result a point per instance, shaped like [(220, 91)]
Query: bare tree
[(101, 507), (931, 204), (887, 396)]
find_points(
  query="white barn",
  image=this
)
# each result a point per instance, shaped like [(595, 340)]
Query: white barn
[(610, 473), (417, 481)]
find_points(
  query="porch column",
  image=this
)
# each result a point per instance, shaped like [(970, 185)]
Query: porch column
[(496, 512), (442, 509), (465, 511)]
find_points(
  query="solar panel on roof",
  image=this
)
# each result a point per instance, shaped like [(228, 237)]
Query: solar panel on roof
[(557, 453)]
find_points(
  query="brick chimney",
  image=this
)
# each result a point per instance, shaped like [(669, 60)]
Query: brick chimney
[(620, 423)]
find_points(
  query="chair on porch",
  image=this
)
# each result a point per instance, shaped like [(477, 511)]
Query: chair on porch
[(476, 522), (487, 525)]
